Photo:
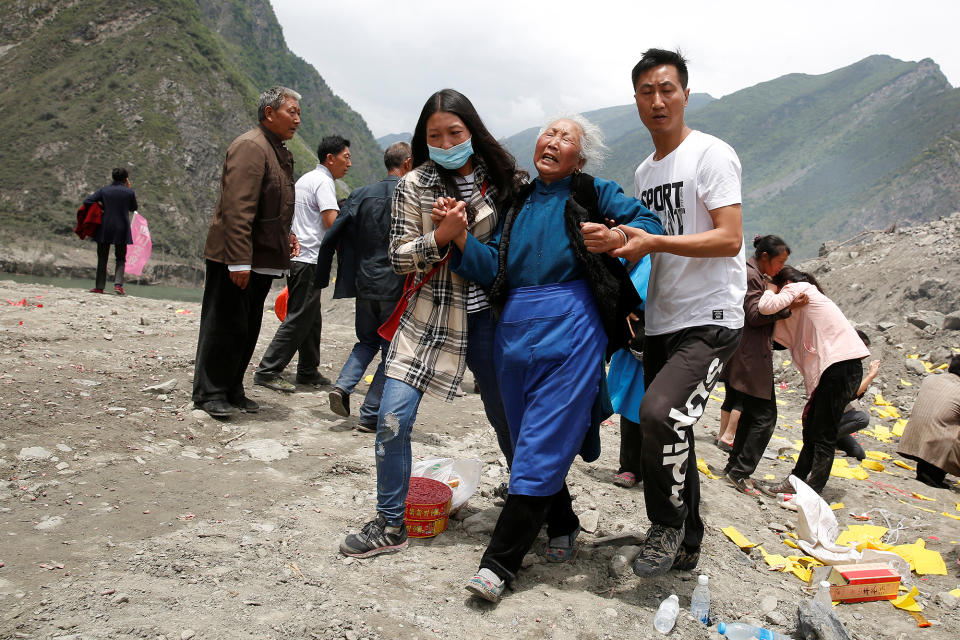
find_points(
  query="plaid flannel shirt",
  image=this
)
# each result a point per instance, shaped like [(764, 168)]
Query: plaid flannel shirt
[(429, 350)]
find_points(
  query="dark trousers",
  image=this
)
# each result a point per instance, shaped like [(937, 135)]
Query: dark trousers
[(519, 525), (930, 474), (838, 385), (680, 370), (229, 327), (851, 422), (120, 256), (630, 440), (758, 420), (300, 331)]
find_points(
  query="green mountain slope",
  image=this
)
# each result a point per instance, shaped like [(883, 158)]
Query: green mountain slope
[(826, 156), (159, 86)]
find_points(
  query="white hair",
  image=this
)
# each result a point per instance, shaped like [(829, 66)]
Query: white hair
[(274, 97), (592, 149)]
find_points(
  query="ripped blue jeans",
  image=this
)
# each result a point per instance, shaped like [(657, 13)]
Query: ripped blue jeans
[(398, 411)]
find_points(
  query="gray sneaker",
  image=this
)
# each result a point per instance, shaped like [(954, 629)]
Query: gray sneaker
[(773, 488), (659, 551), (375, 538), (276, 383)]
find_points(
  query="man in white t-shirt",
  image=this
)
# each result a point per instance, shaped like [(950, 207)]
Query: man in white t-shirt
[(694, 312), (315, 211)]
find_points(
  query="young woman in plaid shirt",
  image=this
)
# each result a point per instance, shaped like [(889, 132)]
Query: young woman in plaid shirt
[(448, 324)]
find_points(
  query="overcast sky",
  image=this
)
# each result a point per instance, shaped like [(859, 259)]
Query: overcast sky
[(521, 61)]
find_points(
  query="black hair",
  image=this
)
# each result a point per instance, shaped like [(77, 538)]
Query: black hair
[(331, 144), (656, 58), (864, 337), (771, 245), (791, 274), (120, 174), (954, 366), (501, 166)]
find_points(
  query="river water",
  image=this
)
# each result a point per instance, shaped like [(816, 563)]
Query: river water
[(158, 292)]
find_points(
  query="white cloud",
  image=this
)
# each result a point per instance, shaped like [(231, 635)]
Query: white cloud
[(520, 61)]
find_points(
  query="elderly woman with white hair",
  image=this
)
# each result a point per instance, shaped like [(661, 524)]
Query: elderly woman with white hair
[(561, 310)]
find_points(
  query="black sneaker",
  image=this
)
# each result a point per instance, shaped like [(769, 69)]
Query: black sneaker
[(658, 552), (367, 427), (316, 379), (686, 559), (246, 405), (375, 538), (218, 408), (340, 402)]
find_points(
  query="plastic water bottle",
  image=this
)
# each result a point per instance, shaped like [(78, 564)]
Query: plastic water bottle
[(667, 614), (823, 595), (700, 600), (741, 631)]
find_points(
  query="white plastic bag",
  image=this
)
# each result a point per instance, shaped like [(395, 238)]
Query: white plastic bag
[(463, 476)]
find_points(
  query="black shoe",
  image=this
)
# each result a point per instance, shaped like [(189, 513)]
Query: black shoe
[(659, 551), (218, 408), (340, 402), (246, 405), (936, 483), (316, 379), (375, 538), (686, 559), (367, 427)]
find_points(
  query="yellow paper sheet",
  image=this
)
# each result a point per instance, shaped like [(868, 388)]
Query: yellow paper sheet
[(898, 427), (955, 593), (786, 363), (904, 465), (878, 455), (905, 383), (922, 560), (774, 560), (769, 476), (907, 601), (857, 533), (940, 367), (368, 379), (836, 505), (873, 465), (916, 506), (879, 401), (704, 469), (790, 543), (920, 496), (913, 356), (840, 469), (957, 505), (715, 398), (950, 515), (737, 538)]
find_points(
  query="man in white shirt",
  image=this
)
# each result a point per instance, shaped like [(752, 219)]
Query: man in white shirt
[(315, 211), (694, 312)]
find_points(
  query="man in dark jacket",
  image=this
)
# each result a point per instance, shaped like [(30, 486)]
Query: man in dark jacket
[(248, 245), (117, 200), (362, 231)]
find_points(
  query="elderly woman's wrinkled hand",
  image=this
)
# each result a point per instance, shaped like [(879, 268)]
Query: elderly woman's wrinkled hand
[(599, 238)]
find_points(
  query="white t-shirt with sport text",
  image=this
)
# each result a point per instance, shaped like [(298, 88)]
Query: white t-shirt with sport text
[(700, 175), (316, 193)]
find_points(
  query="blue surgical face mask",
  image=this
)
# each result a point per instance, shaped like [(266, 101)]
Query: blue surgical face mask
[(454, 157)]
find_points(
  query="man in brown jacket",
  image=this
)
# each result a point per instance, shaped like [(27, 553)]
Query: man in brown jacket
[(248, 245)]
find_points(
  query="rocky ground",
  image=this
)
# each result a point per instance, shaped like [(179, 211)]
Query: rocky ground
[(126, 514)]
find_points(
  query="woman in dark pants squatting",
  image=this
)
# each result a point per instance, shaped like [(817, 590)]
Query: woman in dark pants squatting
[(560, 305), (828, 352)]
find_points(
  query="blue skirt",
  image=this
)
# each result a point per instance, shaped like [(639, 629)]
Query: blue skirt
[(548, 354)]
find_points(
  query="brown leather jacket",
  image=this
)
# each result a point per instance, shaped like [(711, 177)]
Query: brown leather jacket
[(750, 369), (251, 224)]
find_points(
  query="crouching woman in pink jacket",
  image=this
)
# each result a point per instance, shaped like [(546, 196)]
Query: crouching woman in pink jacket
[(828, 352)]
